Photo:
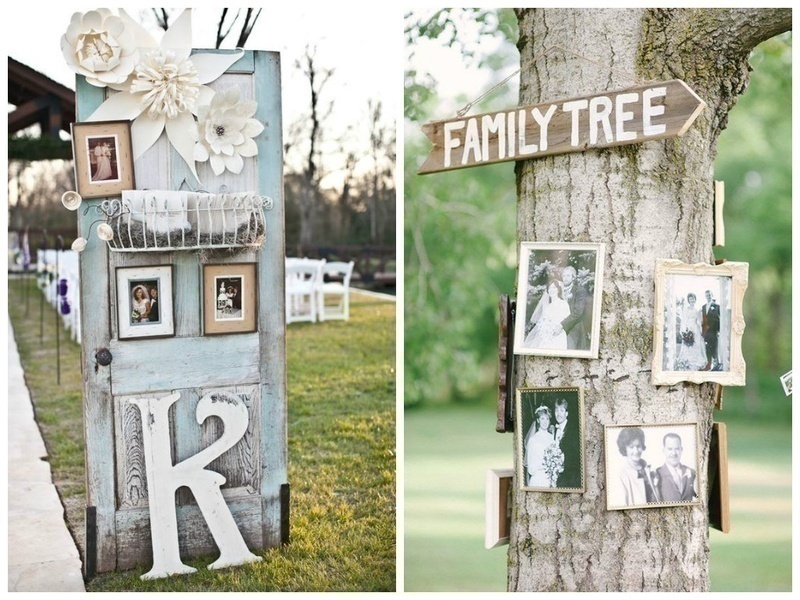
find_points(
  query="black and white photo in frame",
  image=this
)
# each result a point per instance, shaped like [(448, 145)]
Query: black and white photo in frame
[(649, 466), (559, 288), (549, 439), (699, 323)]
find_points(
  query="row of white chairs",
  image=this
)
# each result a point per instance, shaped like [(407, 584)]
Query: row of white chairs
[(317, 290)]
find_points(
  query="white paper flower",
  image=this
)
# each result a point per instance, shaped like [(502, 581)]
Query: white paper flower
[(225, 131), (101, 47), (167, 87), (79, 244), (105, 232)]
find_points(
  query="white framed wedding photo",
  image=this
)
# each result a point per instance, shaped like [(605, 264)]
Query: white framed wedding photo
[(698, 324), (549, 439), (559, 287)]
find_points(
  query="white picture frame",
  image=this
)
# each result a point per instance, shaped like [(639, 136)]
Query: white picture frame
[(691, 342), (559, 290), (135, 287)]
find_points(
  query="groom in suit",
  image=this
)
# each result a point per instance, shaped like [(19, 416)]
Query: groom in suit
[(578, 324), (711, 333), (677, 481), (567, 436)]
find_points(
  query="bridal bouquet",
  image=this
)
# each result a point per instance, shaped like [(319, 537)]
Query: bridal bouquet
[(553, 463), (688, 338)]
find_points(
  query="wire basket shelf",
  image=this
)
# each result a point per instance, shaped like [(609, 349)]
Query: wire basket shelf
[(163, 221)]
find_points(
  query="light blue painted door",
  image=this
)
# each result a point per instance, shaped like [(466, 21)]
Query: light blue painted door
[(250, 365)]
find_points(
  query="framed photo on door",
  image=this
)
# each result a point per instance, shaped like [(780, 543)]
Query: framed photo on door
[(144, 302), (230, 300)]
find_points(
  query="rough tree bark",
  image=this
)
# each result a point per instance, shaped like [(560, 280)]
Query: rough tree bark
[(645, 201)]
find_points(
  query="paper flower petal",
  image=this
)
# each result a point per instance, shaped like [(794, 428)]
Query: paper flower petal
[(247, 149), (211, 66), (143, 38), (178, 133), (217, 164), (178, 37), (234, 163), (118, 107), (145, 131)]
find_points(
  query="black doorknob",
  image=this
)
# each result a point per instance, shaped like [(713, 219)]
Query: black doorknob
[(103, 357)]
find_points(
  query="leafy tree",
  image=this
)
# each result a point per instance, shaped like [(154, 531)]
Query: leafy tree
[(754, 161)]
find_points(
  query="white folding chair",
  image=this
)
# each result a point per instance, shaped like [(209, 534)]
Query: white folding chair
[(338, 290), (303, 277)]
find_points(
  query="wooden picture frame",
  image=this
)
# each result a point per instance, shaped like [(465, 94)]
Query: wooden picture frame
[(550, 451), (690, 341), (719, 502), (505, 365), (138, 315), (103, 155), (559, 289), (719, 218), (499, 487), (230, 300), (636, 465)]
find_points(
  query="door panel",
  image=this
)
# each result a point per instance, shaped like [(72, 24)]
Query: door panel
[(249, 365)]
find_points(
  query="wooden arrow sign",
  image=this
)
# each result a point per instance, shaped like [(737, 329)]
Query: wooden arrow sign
[(632, 116)]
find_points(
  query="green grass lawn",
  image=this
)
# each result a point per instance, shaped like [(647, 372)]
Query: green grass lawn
[(342, 453), (448, 450)]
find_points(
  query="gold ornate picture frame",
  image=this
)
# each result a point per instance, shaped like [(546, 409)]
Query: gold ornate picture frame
[(698, 324)]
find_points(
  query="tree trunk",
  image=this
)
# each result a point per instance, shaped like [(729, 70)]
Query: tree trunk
[(644, 201)]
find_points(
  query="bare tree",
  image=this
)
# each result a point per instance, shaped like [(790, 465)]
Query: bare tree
[(163, 17), (647, 201), (312, 173)]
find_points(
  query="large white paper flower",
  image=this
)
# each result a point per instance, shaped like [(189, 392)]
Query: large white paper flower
[(101, 47), (225, 131), (167, 86)]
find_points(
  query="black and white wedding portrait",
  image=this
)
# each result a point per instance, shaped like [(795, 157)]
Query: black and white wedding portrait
[(229, 298), (549, 439), (651, 465), (559, 285), (699, 323)]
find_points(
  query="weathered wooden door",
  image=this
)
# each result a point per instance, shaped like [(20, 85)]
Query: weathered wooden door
[(191, 363)]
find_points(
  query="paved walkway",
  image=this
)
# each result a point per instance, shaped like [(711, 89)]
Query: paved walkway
[(42, 556)]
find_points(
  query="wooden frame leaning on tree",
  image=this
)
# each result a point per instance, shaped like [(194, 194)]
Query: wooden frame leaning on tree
[(499, 486), (686, 333), (549, 460), (108, 142)]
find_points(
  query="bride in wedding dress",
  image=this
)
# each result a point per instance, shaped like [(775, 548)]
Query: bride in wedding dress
[(102, 154), (547, 332)]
